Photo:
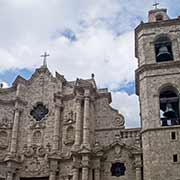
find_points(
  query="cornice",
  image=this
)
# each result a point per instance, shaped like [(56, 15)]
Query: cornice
[(155, 66), (169, 22), (162, 128)]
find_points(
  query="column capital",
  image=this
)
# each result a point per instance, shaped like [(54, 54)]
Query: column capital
[(85, 162), (52, 172), (59, 105), (18, 109), (87, 93), (79, 98), (53, 166), (76, 165), (58, 95), (138, 164)]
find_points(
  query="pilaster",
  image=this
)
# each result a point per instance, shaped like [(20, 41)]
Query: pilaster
[(76, 166), (14, 139), (86, 120), (78, 130), (58, 110), (85, 167), (52, 175), (53, 169), (138, 165)]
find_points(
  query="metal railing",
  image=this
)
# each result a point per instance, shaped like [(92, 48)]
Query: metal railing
[(170, 121)]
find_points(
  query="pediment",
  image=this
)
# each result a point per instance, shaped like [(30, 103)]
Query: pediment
[(121, 145), (40, 72)]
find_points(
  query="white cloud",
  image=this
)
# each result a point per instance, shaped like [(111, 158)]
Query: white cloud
[(28, 28), (5, 84), (127, 105)]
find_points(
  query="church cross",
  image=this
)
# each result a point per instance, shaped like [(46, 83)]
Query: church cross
[(156, 4), (45, 55)]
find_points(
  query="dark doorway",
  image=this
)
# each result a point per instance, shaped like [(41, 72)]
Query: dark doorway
[(34, 178)]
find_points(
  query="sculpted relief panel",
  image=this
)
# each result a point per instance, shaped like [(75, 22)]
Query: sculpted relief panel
[(5, 123), (3, 139), (35, 161)]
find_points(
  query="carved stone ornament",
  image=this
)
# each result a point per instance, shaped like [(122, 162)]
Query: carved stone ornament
[(69, 118), (5, 123), (118, 121), (35, 151), (37, 124), (39, 112), (70, 136), (3, 140), (35, 167), (35, 161), (117, 151)]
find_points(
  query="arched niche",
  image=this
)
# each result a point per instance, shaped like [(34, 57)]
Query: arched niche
[(163, 48), (169, 106)]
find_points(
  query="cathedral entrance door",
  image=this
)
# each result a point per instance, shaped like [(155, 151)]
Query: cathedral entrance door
[(35, 178)]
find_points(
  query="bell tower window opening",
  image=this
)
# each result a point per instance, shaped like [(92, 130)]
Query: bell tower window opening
[(163, 49), (169, 108), (175, 158), (159, 17)]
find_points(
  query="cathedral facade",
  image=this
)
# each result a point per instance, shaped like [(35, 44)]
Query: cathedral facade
[(54, 129)]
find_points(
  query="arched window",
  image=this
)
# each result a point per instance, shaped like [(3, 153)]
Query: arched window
[(159, 17), (118, 169), (163, 49), (169, 107)]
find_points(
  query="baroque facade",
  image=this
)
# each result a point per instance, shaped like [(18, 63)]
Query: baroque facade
[(55, 129)]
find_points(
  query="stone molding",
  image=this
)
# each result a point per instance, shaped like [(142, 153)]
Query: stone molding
[(149, 25), (155, 66)]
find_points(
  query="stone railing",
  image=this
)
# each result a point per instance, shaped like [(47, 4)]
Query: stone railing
[(129, 133)]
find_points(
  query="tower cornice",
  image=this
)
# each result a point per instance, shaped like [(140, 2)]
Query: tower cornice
[(155, 66)]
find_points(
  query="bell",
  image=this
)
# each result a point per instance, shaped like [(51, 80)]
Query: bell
[(164, 54), (169, 112)]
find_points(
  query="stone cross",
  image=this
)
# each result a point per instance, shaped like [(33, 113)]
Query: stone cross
[(45, 55), (156, 5)]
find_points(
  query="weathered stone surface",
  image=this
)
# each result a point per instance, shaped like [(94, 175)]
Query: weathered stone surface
[(77, 135), (58, 129), (151, 77)]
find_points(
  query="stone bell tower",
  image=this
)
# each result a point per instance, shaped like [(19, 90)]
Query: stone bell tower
[(157, 48)]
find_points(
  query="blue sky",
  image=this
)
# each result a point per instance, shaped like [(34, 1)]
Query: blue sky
[(82, 37)]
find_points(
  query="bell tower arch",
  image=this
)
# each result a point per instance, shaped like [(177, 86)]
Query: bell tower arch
[(157, 48)]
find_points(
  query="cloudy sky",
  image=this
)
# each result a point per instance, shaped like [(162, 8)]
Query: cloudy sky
[(82, 37)]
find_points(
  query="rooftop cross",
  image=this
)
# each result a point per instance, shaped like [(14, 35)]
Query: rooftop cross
[(45, 55), (156, 4)]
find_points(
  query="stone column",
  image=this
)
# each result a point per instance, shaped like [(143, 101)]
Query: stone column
[(14, 139), (85, 167), (138, 165), (97, 168), (78, 121), (75, 170), (97, 173), (75, 173), (86, 122), (53, 169), (85, 173), (52, 175), (56, 137), (9, 176), (138, 173)]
